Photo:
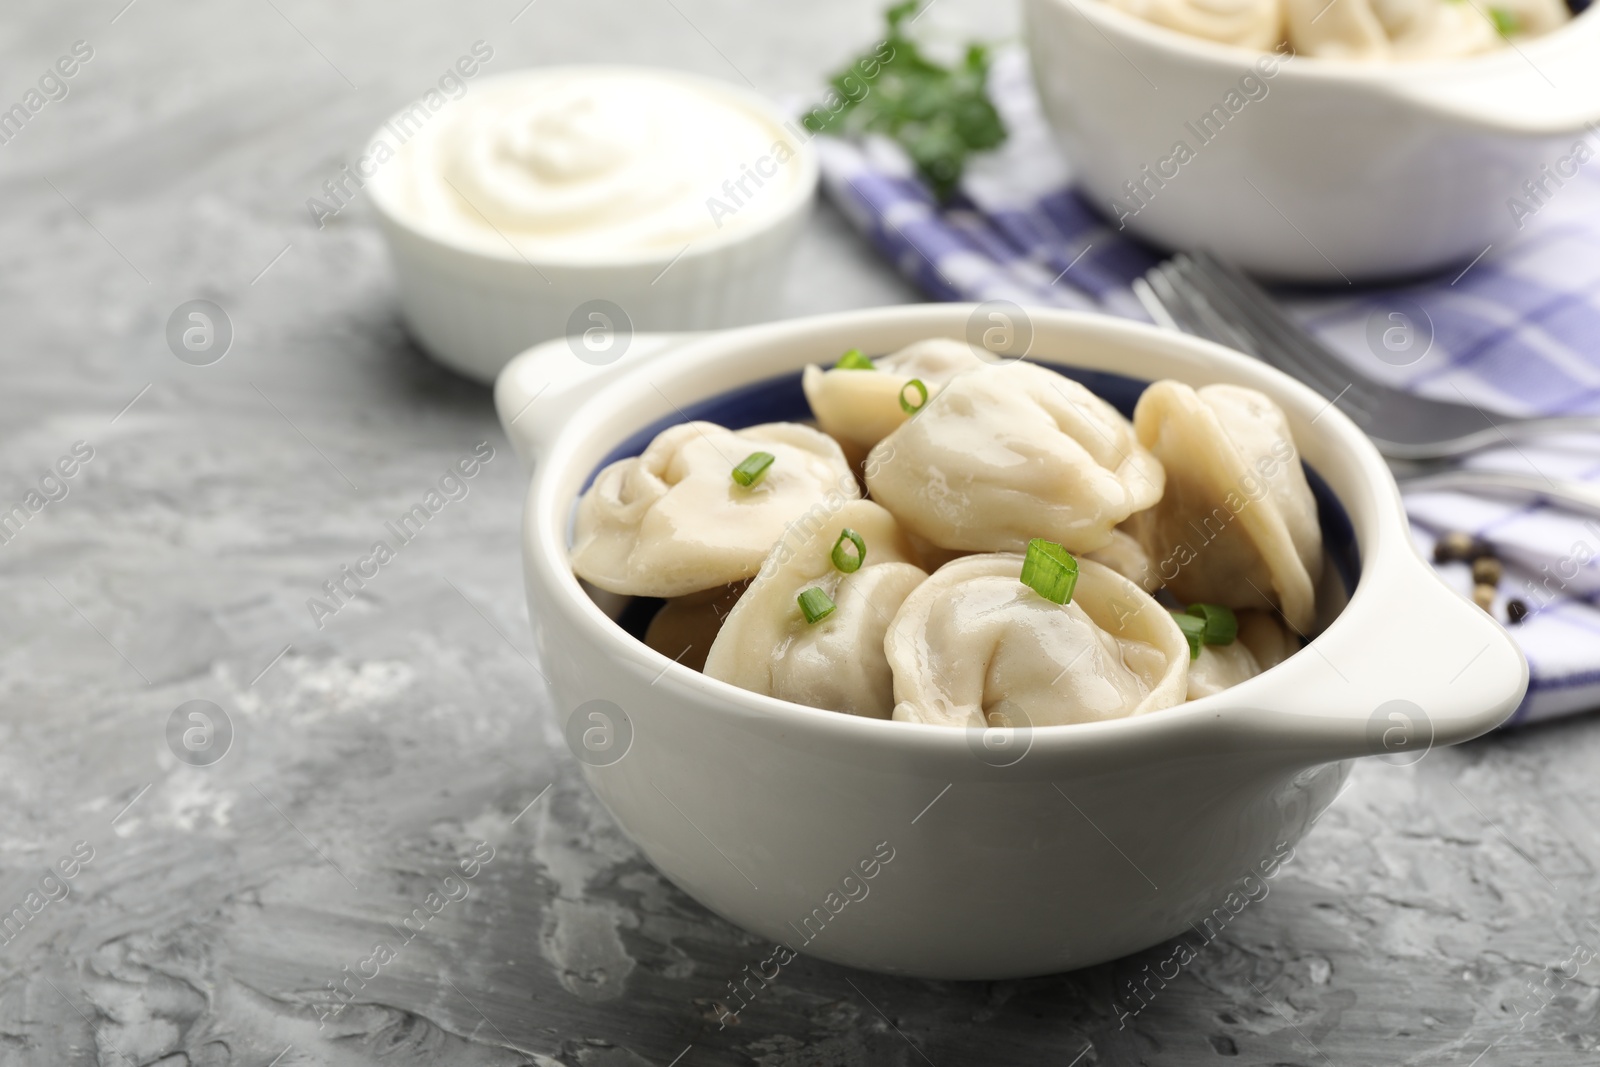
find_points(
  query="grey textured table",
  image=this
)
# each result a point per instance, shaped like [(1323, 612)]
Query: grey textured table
[(371, 756)]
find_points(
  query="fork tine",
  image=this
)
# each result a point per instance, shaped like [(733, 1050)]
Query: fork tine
[(1188, 278), (1282, 343), (1189, 314), (1250, 298), (1188, 310), (1176, 308), (1231, 328), (1214, 325), (1311, 359), (1154, 307)]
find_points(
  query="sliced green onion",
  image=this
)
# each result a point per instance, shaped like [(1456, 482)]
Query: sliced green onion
[(1194, 629), (815, 605), (753, 468), (1505, 23), (1050, 570), (922, 396), (1221, 624), (854, 359), (849, 562)]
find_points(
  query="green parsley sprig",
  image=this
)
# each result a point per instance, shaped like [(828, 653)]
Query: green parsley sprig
[(939, 115)]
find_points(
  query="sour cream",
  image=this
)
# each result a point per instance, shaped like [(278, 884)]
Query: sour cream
[(595, 164)]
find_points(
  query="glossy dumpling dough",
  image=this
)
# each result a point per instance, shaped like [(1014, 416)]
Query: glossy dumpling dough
[(1009, 453), (1125, 555), (836, 663), (672, 521), (1247, 23), (1262, 643), (1268, 640), (1220, 667), (973, 647), (1413, 29), (859, 408), (1237, 522)]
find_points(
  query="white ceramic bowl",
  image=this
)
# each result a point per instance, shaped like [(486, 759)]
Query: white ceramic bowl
[(473, 308), (1101, 839), (1342, 171)]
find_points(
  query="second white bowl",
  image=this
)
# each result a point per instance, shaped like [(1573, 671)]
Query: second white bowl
[(1313, 170)]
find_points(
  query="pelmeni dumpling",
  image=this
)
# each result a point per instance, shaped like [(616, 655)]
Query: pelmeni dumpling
[(1268, 640), (1126, 555), (767, 646), (972, 646), (859, 408), (1220, 667), (672, 520), (1247, 23), (1414, 29), (1008, 453), (684, 628), (1237, 522), (1262, 643), (1532, 18)]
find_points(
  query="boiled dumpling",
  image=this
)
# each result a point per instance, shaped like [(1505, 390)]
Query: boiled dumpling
[(1246, 23), (974, 647), (1238, 522), (672, 520), (1125, 555), (767, 646), (1531, 18), (1414, 29), (1338, 29), (1266, 638), (684, 628), (1388, 29), (859, 408), (1434, 29), (1262, 643), (1220, 667), (1009, 453)]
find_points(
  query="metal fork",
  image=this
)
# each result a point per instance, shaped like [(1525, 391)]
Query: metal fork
[(1203, 296), (1419, 436)]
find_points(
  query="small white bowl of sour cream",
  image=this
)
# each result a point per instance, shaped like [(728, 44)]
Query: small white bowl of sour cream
[(587, 202)]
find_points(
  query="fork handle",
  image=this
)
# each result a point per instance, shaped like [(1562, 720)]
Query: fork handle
[(1505, 429), (1580, 497), (1524, 427)]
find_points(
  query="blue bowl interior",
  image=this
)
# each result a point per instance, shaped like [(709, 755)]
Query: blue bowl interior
[(781, 399)]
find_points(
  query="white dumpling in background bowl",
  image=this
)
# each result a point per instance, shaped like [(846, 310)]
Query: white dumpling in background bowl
[(1009, 453), (1414, 29), (1237, 524), (837, 663), (1246, 23), (859, 408), (1262, 644), (672, 520), (973, 646)]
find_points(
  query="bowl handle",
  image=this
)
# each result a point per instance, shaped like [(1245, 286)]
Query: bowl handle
[(537, 390), (1409, 664)]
